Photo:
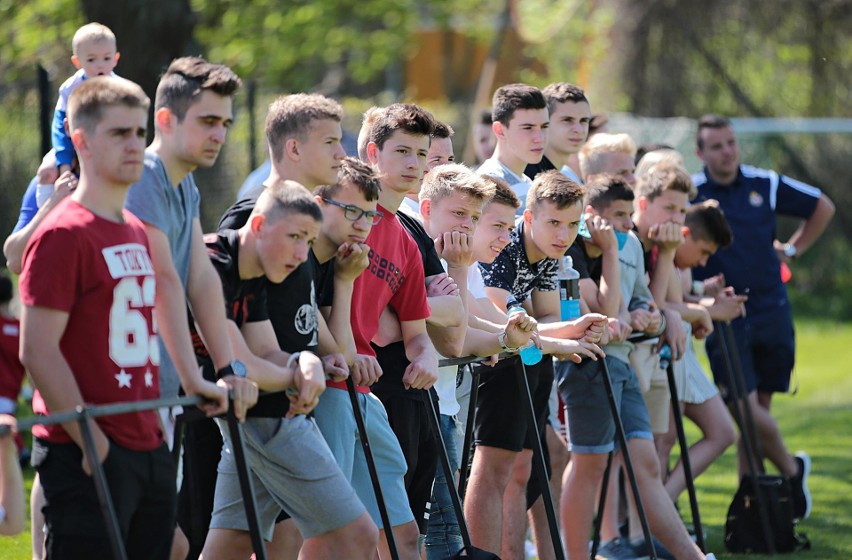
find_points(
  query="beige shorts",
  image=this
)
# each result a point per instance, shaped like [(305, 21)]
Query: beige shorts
[(653, 384)]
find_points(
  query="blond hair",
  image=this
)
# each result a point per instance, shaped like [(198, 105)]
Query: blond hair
[(503, 193), (291, 116), (91, 32), (651, 159), (453, 178), (665, 176), (367, 122), (593, 155)]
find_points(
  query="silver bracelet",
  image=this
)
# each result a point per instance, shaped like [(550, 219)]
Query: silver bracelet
[(294, 358)]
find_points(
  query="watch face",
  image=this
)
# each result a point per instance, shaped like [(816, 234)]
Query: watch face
[(239, 368)]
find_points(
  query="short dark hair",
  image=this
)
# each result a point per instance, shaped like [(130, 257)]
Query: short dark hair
[(292, 115), (512, 97), (603, 190), (187, 78), (356, 173), (562, 92), (553, 186), (283, 198), (442, 130), (648, 148), (709, 121), (408, 117), (706, 222), (597, 123), (5, 288), (503, 193), (485, 117)]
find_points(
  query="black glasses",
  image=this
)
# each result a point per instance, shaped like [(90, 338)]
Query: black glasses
[(353, 213)]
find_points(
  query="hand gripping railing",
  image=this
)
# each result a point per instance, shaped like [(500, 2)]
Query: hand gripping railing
[(82, 415)]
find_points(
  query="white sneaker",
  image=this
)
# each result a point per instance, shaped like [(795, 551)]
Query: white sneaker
[(710, 556)]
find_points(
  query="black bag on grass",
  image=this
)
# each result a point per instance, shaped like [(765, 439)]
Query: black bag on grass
[(743, 529), (473, 553)]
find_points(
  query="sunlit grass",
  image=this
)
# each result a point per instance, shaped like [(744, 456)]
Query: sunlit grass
[(816, 419)]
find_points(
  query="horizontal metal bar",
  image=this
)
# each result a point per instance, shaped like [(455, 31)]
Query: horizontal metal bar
[(103, 410), (139, 406)]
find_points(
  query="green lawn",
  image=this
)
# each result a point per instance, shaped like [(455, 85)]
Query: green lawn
[(812, 420), (815, 420)]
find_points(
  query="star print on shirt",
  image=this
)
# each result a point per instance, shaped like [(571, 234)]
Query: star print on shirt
[(124, 379), (149, 379)]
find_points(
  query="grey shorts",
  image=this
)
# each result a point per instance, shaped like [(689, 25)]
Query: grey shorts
[(335, 418), (591, 428), (292, 469)]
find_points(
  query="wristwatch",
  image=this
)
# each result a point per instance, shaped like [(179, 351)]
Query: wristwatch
[(235, 368), (790, 251), (501, 339)]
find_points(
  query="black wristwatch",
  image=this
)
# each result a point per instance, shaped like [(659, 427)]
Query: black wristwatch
[(236, 368)]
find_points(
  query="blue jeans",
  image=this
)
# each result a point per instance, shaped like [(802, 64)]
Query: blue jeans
[(442, 535)]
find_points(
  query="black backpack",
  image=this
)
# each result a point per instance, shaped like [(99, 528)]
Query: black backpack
[(743, 529)]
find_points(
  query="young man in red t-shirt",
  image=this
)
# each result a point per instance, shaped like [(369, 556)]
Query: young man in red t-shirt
[(399, 143), (88, 336)]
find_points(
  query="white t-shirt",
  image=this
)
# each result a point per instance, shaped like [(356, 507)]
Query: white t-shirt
[(475, 283), (411, 208), (446, 384)]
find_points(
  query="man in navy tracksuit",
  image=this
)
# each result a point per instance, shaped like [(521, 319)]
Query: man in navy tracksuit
[(751, 198)]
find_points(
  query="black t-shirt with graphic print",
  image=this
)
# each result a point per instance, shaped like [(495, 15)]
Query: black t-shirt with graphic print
[(245, 302), (324, 281), (292, 303)]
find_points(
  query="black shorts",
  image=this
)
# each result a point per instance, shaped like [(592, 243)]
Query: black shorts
[(501, 418), (766, 344), (409, 421), (142, 486), (202, 449)]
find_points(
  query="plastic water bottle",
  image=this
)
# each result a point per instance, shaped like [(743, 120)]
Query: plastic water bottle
[(665, 356), (529, 352), (569, 290)]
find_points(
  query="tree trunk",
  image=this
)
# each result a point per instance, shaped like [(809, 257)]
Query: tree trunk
[(149, 33)]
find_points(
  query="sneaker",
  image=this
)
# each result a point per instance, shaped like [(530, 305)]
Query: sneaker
[(710, 556), (616, 549), (801, 495), (640, 549)]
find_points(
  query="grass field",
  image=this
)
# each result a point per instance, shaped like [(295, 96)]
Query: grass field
[(816, 420)]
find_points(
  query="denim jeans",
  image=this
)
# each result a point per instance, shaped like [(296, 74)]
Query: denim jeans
[(442, 535)]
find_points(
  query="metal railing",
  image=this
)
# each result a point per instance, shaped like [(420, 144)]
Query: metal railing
[(82, 415)]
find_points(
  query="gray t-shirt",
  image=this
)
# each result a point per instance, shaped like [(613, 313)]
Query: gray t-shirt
[(634, 289), (520, 184), (172, 210)]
